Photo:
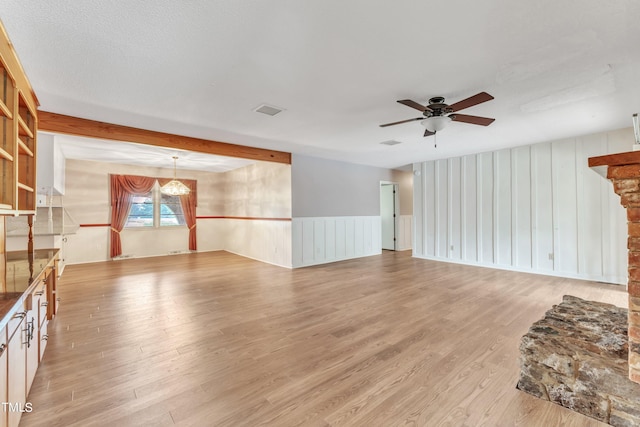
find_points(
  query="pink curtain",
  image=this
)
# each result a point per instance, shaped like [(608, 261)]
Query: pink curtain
[(188, 203), (123, 188)]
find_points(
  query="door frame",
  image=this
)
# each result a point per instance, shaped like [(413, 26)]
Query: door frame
[(396, 211)]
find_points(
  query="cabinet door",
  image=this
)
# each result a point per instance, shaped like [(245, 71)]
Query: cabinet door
[(54, 283), (3, 376), (32, 327), (43, 337), (51, 289), (44, 305), (17, 373)]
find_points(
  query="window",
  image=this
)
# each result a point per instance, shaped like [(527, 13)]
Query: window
[(155, 209)]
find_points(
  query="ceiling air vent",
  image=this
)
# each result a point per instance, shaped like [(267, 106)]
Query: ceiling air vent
[(391, 142), (269, 110)]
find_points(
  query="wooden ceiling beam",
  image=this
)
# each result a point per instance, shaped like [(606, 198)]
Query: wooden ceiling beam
[(58, 123)]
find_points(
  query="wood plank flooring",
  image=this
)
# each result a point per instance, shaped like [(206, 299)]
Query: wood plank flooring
[(214, 339)]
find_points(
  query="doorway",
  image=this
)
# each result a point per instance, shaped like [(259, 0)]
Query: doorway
[(389, 214)]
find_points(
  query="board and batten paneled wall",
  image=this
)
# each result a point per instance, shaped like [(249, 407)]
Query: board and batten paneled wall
[(404, 233), (319, 240), (536, 208)]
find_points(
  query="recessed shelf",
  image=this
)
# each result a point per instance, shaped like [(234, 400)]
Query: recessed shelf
[(23, 129), (4, 110), (25, 187), (24, 149), (6, 155)]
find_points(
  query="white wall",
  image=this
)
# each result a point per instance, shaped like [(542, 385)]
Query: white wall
[(50, 165), (535, 208), (336, 209), (266, 241)]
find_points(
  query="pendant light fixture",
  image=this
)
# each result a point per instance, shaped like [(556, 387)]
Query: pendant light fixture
[(175, 187)]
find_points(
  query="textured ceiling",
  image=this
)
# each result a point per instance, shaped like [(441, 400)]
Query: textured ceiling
[(199, 68), (127, 153)]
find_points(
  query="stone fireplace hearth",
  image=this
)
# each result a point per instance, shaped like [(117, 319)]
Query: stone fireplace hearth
[(576, 356), (585, 355)]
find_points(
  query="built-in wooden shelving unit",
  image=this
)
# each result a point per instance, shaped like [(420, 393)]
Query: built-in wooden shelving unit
[(23, 317), (18, 128)]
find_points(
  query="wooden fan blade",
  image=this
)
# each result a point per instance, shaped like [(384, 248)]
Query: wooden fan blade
[(427, 132), (474, 120), (413, 104), (401, 121), (471, 101)]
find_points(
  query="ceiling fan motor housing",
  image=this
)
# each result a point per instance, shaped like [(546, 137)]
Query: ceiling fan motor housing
[(437, 107)]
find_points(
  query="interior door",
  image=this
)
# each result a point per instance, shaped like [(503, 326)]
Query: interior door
[(387, 216)]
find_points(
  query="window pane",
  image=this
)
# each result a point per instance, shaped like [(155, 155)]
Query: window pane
[(141, 213), (171, 210)]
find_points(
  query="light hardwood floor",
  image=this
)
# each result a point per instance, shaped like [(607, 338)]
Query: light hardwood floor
[(214, 339)]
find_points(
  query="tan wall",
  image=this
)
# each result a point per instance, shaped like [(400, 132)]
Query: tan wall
[(87, 201), (258, 190), (405, 185), (87, 188)]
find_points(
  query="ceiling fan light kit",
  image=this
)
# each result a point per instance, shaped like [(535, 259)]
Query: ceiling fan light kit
[(437, 115), (435, 123)]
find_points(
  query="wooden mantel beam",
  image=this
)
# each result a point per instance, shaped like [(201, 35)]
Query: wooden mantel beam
[(58, 123)]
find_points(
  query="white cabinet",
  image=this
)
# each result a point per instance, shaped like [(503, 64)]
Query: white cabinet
[(50, 166), (3, 375), (16, 369), (32, 327)]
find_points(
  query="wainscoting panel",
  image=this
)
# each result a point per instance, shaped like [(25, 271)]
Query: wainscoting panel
[(262, 240), (403, 233), (321, 240), (536, 208)]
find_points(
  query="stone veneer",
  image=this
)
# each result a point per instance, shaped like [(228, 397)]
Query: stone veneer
[(623, 170), (576, 356)]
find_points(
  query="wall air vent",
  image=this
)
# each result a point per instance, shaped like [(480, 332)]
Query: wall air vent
[(269, 110), (391, 142)]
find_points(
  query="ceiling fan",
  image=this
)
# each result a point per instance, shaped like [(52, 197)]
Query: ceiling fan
[(437, 114)]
